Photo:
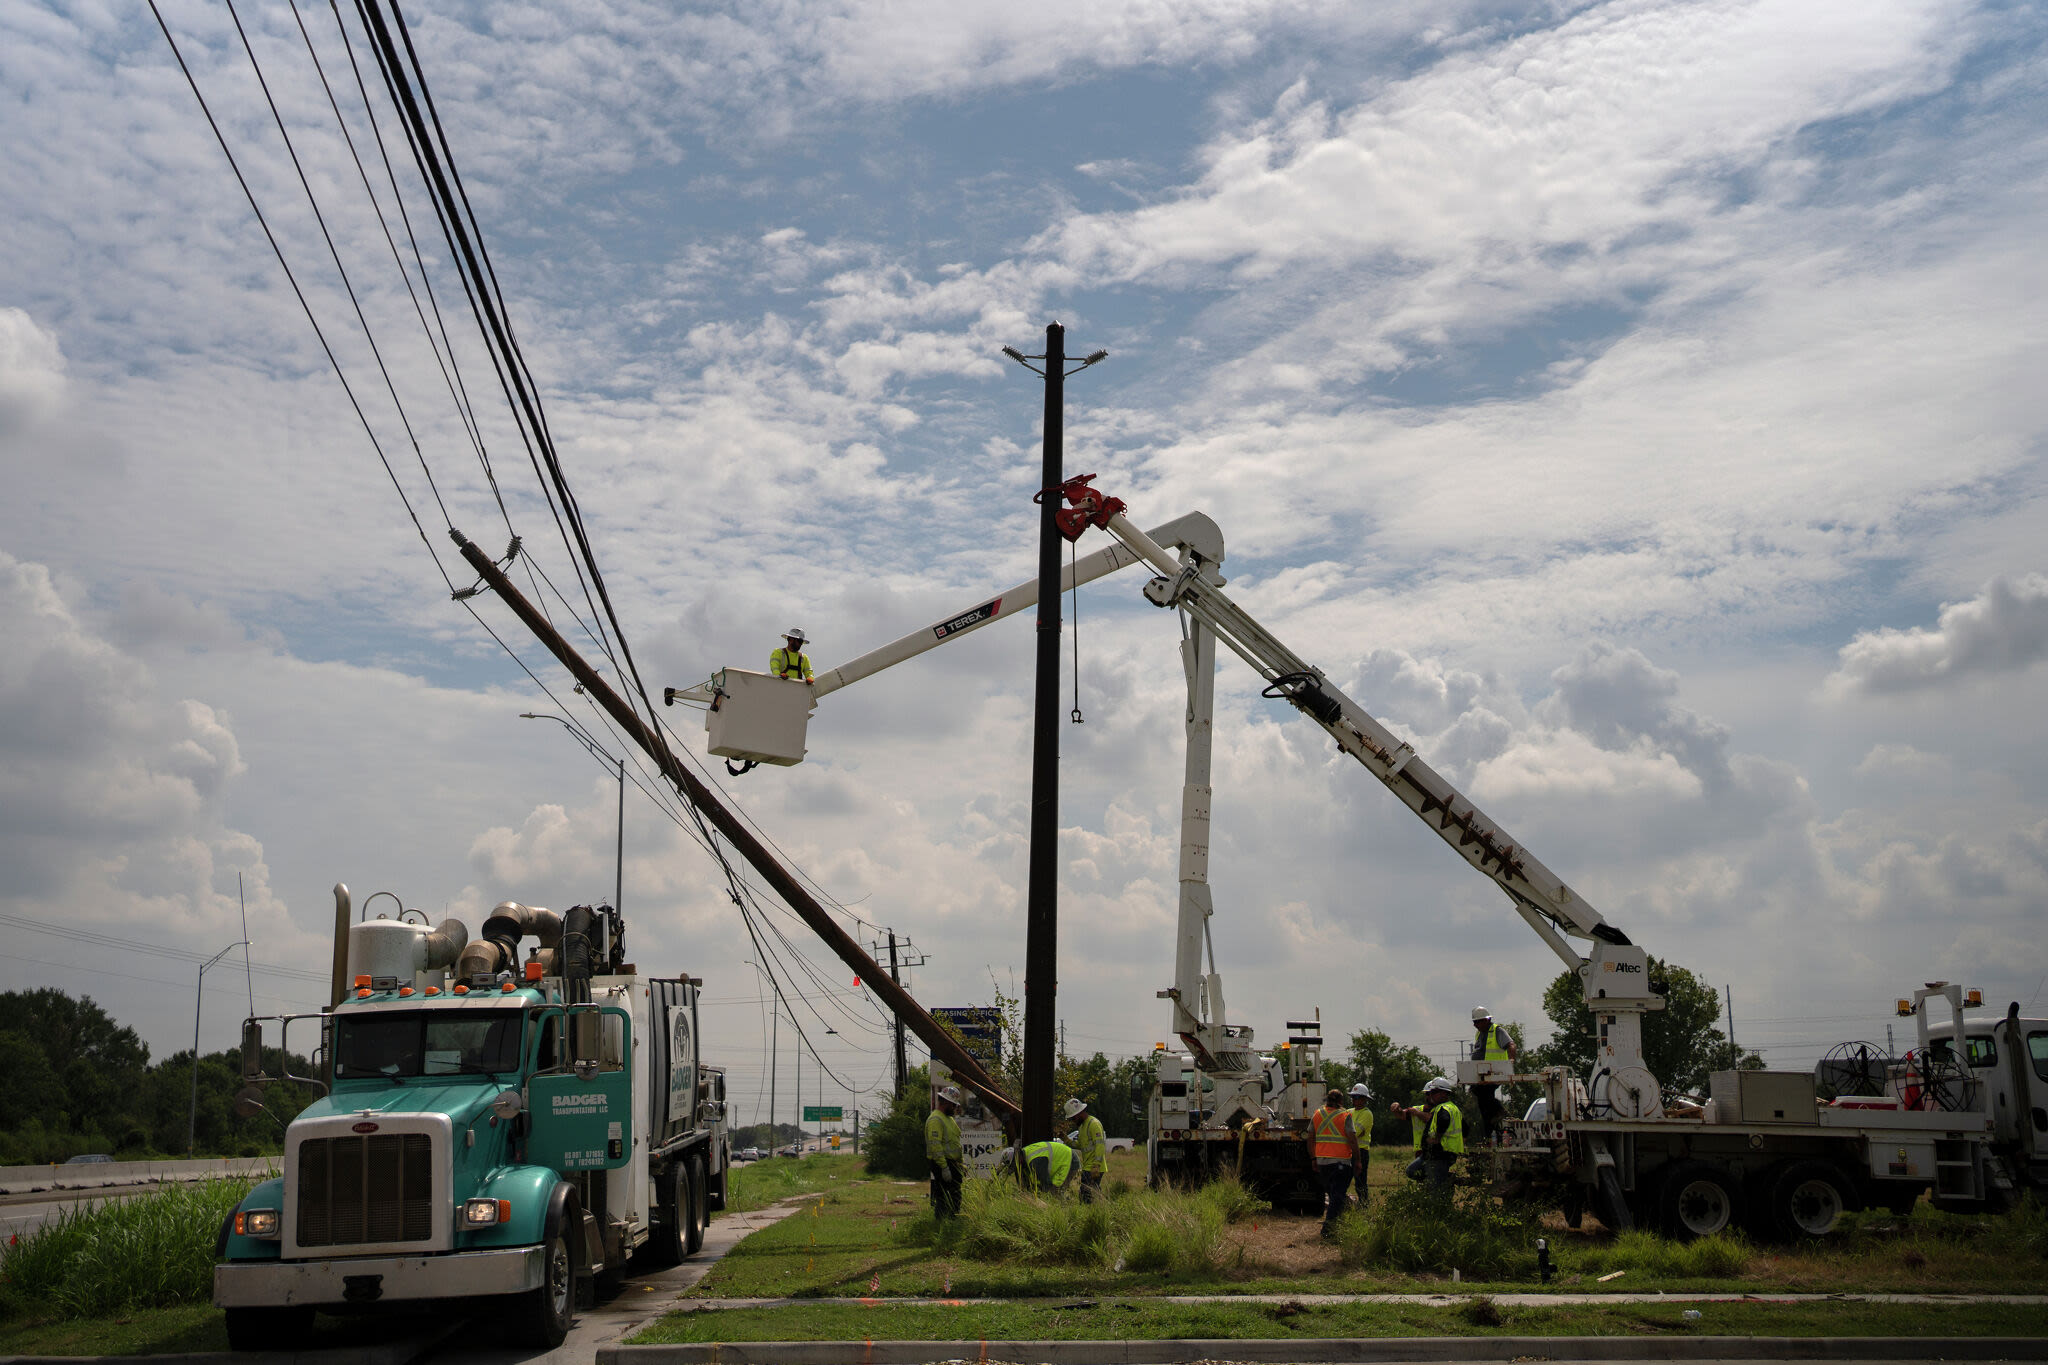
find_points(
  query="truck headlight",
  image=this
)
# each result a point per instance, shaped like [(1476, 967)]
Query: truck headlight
[(264, 1223), (481, 1213)]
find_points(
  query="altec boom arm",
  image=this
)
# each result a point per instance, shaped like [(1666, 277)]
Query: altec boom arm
[(1613, 972)]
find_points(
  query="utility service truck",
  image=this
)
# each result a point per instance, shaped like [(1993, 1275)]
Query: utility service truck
[(1764, 1149), (498, 1132)]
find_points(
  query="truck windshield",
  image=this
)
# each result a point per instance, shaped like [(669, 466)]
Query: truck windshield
[(428, 1043)]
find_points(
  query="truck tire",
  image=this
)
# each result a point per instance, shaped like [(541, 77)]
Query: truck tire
[(1697, 1200), (269, 1329), (1610, 1205), (541, 1316), (666, 1246), (693, 1225), (1806, 1201)]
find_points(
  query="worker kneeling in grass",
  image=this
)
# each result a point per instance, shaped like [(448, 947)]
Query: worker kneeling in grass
[(1439, 1128), (1042, 1167)]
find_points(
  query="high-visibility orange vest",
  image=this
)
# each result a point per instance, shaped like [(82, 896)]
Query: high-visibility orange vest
[(1331, 1133)]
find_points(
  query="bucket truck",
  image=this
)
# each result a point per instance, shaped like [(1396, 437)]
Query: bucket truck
[(1219, 1104), (494, 1131), (1764, 1150)]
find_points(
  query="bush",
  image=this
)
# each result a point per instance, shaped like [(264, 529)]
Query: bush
[(1720, 1257), (108, 1257), (1165, 1231), (1416, 1229), (895, 1142)]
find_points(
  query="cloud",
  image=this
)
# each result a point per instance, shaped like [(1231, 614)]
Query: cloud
[(31, 371), (2003, 629)]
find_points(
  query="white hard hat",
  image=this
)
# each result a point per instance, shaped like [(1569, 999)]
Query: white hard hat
[(1480, 1012), (795, 633), (950, 1094), (1076, 1106), (1443, 1083), (1362, 1089)]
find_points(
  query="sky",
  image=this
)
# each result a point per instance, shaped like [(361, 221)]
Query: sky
[(1636, 405)]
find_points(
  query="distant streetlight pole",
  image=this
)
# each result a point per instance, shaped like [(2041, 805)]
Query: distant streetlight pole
[(602, 755), (198, 997), (1041, 897)]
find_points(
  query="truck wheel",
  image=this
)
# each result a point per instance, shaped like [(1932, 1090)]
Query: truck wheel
[(269, 1329), (1697, 1201), (1807, 1200), (693, 1226), (665, 1247), (543, 1314), (1610, 1205)]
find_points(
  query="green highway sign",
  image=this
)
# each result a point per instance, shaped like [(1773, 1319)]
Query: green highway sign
[(822, 1113)]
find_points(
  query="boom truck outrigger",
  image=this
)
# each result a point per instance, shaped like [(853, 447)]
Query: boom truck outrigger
[(493, 1128), (1764, 1150)]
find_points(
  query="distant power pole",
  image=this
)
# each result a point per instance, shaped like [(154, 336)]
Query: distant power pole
[(896, 976), (902, 953), (1730, 992)]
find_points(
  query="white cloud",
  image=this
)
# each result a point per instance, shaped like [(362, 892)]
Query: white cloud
[(2004, 628), (31, 371)]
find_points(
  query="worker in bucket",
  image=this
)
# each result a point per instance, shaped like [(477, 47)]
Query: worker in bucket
[(1493, 1044), (790, 662), (942, 1152), (1093, 1148), (1334, 1151), (1361, 1137), (1439, 1128)]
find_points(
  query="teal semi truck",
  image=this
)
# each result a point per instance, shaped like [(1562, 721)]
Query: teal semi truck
[(506, 1122)]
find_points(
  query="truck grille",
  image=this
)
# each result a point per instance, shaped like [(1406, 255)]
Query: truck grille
[(366, 1190)]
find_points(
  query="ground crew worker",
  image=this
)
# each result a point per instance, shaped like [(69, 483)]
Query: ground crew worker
[(1043, 1167), (1494, 1044), (790, 661), (942, 1153), (1092, 1147), (1439, 1129), (1331, 1144), (1361, 1136)]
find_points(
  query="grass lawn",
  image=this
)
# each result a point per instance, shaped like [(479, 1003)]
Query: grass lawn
[(1127, 1319), (852, 1239), (187, 1327)]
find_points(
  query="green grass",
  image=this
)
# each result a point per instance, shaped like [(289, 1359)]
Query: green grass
[(112, 1256), (1134, 1319), (1172, 1232), (762, 1183), (864, 1234), (1414, 1229)]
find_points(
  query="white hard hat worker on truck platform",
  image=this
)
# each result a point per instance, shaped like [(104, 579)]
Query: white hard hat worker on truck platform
[(1492, 1044), (790, 662)]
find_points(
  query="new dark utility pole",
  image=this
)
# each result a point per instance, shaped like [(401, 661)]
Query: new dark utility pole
[(1041, 916)]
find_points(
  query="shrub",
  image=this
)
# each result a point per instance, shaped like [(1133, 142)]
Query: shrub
[(107, 1257), (1165, 1231), (1720, 1257), (1421, 1230)]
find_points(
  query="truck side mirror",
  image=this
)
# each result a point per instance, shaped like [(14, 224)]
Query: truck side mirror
[(249, 1101), (252, 1050)]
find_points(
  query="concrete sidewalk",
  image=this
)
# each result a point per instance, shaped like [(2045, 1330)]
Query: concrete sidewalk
[(1367, 1351)]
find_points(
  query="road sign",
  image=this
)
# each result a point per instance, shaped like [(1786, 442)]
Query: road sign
[(823, 1113)]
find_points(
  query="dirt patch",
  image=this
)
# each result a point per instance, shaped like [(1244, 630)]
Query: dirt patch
[(1284, 1244)]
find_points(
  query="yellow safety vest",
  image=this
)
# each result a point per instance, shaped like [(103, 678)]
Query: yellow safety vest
[(941, 1137), (1331, 1132), (1453, 1141), (784, 664), (1094, 1146), (1496, 1049), (1361, 1127), (1059, 1161)]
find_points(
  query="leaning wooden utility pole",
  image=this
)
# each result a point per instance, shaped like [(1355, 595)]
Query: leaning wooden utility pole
[(942, 1044)]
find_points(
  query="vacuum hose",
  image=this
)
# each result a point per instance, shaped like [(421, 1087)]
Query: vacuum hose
[(497, 949)]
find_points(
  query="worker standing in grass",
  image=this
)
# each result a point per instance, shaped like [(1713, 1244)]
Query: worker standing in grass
[(1329, 1133), (1093, 1148), (1494, 1044), (1439, 1128), (1361, 1137), (942, 1153), (790, 662)]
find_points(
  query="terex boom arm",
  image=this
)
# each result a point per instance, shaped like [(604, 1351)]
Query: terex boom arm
[(1613, 972)]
